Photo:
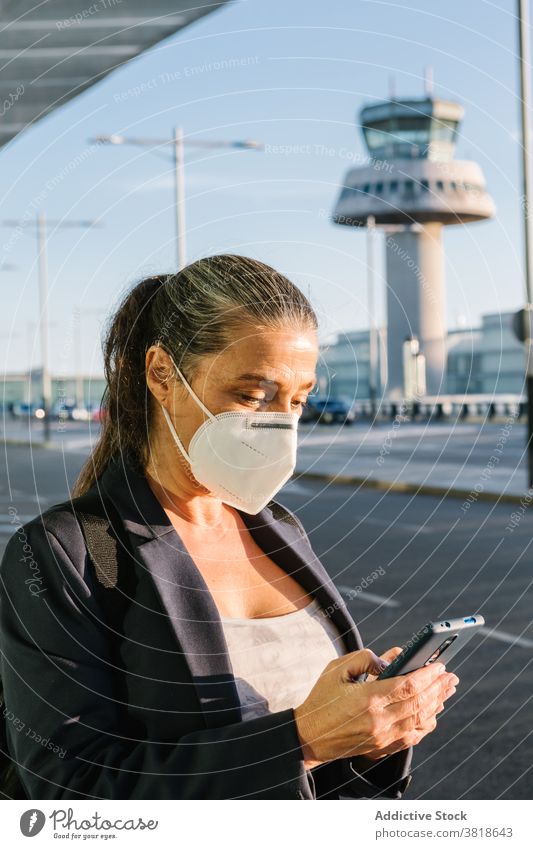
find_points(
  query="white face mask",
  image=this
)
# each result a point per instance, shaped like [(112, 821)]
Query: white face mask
[(241, 458)]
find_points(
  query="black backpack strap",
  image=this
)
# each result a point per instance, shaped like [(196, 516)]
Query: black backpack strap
[(106, 546), (112, 565), (100, 539), (109, 553), (282, 514)]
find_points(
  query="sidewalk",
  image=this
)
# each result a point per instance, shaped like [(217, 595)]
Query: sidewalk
[(468, 461), (71, 436)]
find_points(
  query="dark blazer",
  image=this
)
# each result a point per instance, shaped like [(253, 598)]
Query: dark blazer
[(152, 711)]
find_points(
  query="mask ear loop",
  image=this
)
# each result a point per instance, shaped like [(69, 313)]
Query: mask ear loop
[(169, 420), (191, 390), (175, 435)]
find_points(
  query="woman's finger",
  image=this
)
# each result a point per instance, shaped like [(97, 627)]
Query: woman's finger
[(357, 663), (387, 656), (392, 691), (422, 704)]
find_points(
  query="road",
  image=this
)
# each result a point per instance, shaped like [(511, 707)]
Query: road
[(438, 561), (433, 559)]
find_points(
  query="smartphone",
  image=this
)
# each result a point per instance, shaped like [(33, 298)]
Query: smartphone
[(435, 641)]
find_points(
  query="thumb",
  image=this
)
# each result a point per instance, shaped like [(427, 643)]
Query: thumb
[(356, 663), (391, 654), (388, 657)]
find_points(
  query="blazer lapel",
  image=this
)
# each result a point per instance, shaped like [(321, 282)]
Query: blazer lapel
[(185, 597), (195, 622), (290, 550)]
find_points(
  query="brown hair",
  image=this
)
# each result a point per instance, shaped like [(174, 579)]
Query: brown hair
[(190, 314)]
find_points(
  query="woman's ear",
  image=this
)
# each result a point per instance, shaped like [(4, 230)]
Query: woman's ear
[(159, 371)]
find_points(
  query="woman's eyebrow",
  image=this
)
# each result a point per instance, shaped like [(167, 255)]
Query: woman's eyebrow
[(262, 378)]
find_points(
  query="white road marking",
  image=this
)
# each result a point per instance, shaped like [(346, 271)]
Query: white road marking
[(395, 526), (373, 598), (76, 444), (7, 529), (17, 495), (296, 488), (504, 637), (370, 598), (16, 519), (376, 437)]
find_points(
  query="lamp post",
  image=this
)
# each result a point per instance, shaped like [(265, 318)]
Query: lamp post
[(179, 188), (40, 225), (372, 346), (46, 380), (525, 93), (178, 144)]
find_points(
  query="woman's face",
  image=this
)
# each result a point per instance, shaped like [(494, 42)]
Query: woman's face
[(266, 371)]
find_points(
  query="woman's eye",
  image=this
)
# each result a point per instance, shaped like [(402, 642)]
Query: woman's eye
[(251, 399)]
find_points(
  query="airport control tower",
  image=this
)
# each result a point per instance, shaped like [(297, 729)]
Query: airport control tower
[(413, 185)]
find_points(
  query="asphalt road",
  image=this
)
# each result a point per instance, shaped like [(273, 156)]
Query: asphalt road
[(436, 561)]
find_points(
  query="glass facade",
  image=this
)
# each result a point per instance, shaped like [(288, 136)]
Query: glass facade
[(402, 130), (408, 188), (18, 389), (481, 360)]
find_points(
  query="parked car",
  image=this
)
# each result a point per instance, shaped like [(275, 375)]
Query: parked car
[(328, 411), (27, 410), (62, 410), (96, 413)]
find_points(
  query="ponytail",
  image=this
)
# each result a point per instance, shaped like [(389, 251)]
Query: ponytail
[(124, 402)]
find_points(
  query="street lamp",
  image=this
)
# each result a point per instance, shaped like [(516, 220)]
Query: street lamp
[(525, 93), (178, 146), (40, 225), (372, 340)]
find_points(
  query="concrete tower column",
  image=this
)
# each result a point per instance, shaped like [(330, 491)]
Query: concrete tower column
[(415, 303)]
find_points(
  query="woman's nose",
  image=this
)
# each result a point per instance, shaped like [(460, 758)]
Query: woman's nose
[(280, 408)]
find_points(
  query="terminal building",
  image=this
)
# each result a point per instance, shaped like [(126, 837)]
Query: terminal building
[(486, 360), (26, 388)]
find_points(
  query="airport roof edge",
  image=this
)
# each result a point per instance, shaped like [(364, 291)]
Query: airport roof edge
[(53, 51)]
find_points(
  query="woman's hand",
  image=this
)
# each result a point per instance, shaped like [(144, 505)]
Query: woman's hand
[(342, 717), (389, 656)]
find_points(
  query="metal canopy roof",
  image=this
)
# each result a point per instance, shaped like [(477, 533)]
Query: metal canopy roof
[(51, 51)]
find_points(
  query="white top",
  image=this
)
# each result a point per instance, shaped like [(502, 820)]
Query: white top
[(276, 660)]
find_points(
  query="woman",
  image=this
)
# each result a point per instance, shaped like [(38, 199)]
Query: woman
[(235, 669)]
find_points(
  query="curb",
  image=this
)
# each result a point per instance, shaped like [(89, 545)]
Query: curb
[(26, 443), (415, 488)]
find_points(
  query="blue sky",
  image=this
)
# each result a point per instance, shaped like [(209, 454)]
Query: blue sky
[(289, 74)]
